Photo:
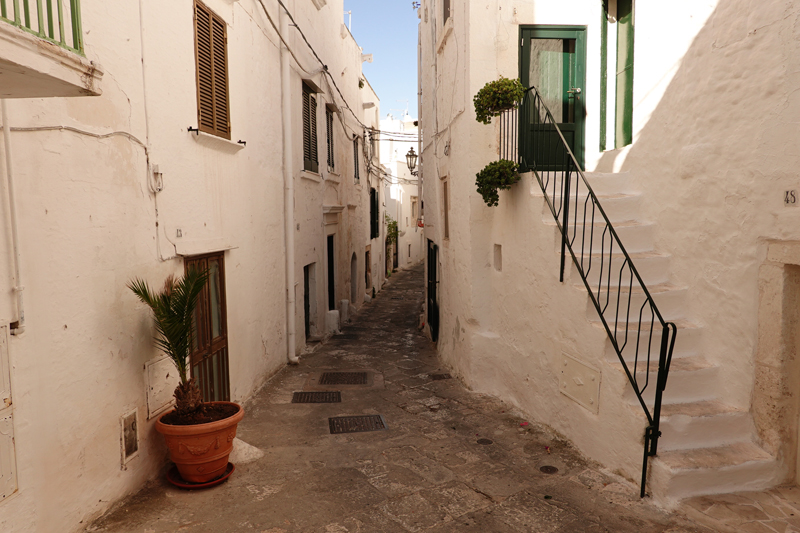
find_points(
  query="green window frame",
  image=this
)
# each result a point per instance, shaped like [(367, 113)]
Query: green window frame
[(624, 102), (623, 98)]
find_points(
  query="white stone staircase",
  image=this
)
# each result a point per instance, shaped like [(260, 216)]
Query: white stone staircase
[(707, 446)]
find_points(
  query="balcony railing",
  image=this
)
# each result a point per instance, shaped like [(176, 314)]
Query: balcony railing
[(57, 21)]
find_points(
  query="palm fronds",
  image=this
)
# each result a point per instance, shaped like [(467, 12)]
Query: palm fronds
[(173, 310)]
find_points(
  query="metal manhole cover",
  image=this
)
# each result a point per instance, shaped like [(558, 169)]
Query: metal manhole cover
[(356, 424), (317, 397), (485, 442), (343, 378), (549, 470), (437, 377)]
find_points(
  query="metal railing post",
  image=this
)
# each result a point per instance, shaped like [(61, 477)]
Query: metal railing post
[(565, 209)]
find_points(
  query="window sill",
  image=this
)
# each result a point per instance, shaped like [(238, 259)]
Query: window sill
[(446, 31), (311, 176), (213, 141)]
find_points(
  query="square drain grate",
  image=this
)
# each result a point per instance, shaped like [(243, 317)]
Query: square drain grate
[(356, 424), (317, 397), (343, 378)]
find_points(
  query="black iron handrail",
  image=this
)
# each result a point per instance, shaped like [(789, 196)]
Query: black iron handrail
[(531, 137)]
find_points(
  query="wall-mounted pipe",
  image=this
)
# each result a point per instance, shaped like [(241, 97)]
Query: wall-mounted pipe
[(288, 188), (17, 327)]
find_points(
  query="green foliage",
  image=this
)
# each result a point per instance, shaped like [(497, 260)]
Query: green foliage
[(173, 310), (494, 177), (391, 230), (497, 96)]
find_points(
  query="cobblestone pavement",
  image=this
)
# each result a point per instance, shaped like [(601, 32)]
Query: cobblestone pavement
[(773, 511), (426, 472)]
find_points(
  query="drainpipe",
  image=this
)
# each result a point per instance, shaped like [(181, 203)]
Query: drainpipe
[(18, 327), (288, 187), (419, 126)]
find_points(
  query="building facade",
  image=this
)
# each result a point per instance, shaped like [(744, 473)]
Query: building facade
[(398, 137), (707, 220), (140, 139)]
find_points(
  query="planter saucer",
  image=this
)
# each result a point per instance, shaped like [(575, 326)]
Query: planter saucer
[(175, 478)]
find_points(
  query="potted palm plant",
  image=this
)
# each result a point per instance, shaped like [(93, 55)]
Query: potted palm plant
[(199, 434)]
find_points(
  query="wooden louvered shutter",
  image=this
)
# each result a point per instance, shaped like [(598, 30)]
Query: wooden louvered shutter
[(355, 156), (310, 158), (211, 38), (329, 125)]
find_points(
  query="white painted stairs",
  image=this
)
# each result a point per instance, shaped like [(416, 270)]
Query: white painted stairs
[(707, 446)]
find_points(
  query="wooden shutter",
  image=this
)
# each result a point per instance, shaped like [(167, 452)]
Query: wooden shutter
[(310, 159), (211, 39), (329, 125), (355, 157), (374, 212)]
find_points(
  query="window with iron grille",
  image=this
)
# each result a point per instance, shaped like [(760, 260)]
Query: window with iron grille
[(355, 157), (211, 55), (374, 212), (310, 157), (329, 128)]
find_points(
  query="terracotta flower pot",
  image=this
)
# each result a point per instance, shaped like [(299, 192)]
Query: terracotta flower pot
[(201, 451)]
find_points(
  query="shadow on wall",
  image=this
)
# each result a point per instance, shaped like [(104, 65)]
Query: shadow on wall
[(714, 159)]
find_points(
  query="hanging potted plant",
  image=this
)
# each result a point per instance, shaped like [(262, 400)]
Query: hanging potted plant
[(497, 96), (199, 434), (496, 176)]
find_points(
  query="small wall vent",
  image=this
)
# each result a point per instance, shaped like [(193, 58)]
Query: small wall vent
[(129, 436)]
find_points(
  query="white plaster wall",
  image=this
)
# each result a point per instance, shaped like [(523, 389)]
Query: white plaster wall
[(88, 225), (714, 155), (713, 152)]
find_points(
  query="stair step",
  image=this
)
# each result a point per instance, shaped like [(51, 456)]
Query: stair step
[(635, 236), (670, 300), (652, 266), (687, 343), (610, 182), (618, 206), (734, 467), (690, 379), (704, 424), (711, 458)]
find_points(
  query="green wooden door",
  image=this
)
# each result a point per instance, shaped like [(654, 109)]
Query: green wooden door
[(553, 59)]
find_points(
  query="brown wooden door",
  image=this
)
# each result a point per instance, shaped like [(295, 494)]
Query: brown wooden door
[(209, 357)]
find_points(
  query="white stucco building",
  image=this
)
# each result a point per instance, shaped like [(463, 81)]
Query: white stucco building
[(398, 136), (685, 127), (146, 137)]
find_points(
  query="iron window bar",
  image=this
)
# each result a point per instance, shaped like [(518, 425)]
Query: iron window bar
[(609, 274)]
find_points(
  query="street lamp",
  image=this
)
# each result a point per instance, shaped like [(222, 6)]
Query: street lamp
[(411, 161)]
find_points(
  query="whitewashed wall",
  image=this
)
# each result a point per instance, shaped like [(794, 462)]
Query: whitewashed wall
[(713, 153)]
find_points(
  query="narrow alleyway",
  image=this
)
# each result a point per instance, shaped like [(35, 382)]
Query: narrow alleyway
[(449, 460)]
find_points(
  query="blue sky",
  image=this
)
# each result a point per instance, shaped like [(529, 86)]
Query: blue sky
[(388, 30)]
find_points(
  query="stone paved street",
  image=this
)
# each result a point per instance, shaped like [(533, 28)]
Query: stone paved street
[(426, 472)]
